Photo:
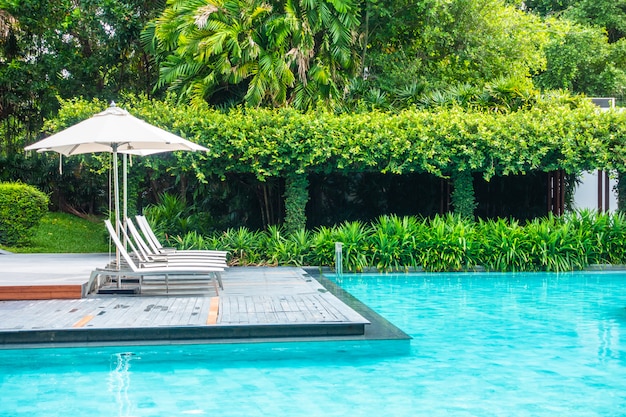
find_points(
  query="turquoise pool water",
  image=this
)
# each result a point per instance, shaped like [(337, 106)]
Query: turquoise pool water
[(483, 345)]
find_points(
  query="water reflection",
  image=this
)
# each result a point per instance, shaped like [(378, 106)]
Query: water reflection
[(119, 382)]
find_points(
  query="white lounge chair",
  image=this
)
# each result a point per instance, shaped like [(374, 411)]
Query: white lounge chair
[(145, 253), (157, 247), (153, 269), (173, 260)]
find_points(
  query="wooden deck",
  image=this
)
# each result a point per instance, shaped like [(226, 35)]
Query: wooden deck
[(256, 302), (47, 276)]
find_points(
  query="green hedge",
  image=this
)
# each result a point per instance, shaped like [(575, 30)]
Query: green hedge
[(443, 243), (21, 209), (568, 134), (555, 134)]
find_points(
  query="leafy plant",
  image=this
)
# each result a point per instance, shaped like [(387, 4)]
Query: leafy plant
[(354, 236), (21, 209), (170, 217), (447, 141), (393, 243), (323, 246), (504, 245), (614, 238), (449, 244), (554, 246), (245, 246)]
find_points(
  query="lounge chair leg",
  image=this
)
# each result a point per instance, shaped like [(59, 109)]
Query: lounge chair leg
[(94, 277), (219, 279), (217, 292)]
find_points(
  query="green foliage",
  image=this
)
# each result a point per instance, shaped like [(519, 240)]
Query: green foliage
[(462, 197), (581, 59), (323, 246), (65, 48), (354, 236), (608, 14), (448, 243), (612, 238), (66, 233), (505, 246), (394, 242), (442, 243), (169, 216), (574, 241), (245, 246), (554, 245), (438, 43), (300, 250), (21, 209), (262, 53), (558, 132), (291, 248), (296, 197)]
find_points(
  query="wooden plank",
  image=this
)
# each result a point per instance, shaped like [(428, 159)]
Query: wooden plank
[(70, 312), (83, 321), (251, 312), (241, 313), (111, 313), (331, 305), (277, 307), (179, 311), (40, 292), (196, 314), (47, 313), (319, 314), (213, 311), (160, 311), (224, 309), (265, 304), (308, 314)]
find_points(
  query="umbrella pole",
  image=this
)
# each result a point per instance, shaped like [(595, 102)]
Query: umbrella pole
[(116, 192), (125, 197)]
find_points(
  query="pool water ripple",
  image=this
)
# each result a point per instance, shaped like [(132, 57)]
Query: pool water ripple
[(483, 345)]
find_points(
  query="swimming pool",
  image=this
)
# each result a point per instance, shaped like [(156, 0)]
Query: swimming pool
[(483, 345)]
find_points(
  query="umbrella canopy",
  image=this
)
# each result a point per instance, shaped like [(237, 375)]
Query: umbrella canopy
[(114, 131)]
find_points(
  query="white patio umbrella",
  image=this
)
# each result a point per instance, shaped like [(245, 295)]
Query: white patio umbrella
[(115, 131)]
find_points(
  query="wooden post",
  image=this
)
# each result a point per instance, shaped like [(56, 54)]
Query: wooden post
[(556, 192)]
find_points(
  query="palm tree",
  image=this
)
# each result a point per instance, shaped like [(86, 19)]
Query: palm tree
[(255, 51)]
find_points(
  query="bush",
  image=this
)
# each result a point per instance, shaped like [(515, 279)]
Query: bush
[(21, 209), (442, 243)]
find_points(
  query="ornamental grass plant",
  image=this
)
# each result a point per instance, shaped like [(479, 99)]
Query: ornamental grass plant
[(441, 243)]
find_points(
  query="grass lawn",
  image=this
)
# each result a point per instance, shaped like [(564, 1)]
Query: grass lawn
[(65, 233)]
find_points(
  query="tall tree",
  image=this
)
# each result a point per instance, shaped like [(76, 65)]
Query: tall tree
[(433, 44), (581, 59), (609, 14), (254, 51), (587, 48), (66, 48)]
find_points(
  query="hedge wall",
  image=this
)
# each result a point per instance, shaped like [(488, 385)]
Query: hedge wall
[(571, 135)]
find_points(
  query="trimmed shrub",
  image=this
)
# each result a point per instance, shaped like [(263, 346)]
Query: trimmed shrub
[(21, 209)]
